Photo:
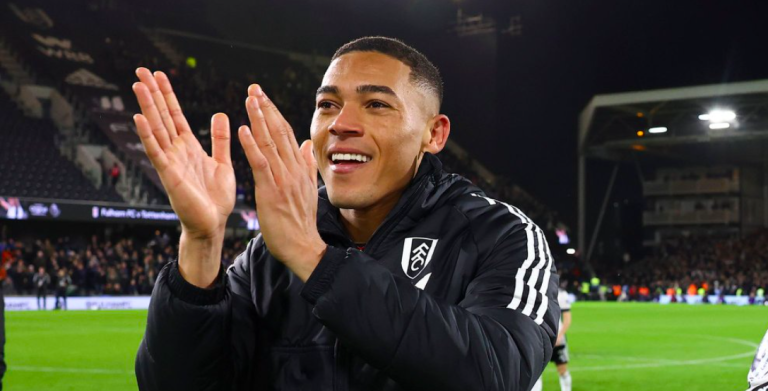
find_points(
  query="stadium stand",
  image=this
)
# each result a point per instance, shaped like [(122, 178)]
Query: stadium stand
[(32, 165)]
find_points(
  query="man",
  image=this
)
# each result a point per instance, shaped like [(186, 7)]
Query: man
[(41, 280), (6, 261), (560, 353), (114, 174), (396, 276), (63, 282), (758, 373)]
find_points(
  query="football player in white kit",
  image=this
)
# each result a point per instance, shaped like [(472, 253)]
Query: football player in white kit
[(560, 352), (758, 374)]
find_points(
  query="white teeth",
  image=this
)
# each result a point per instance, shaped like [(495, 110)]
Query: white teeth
[(349, 157)]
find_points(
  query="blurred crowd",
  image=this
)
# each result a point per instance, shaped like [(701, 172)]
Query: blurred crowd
[(96, 266), (690, 266)]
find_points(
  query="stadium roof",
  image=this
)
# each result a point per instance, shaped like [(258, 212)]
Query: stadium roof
[(616, 126)]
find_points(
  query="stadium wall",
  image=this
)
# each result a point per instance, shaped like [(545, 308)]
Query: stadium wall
[(29, 303)]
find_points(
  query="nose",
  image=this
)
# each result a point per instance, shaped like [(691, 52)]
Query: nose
[(347, 124)]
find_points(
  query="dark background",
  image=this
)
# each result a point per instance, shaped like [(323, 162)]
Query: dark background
[(514, 100)]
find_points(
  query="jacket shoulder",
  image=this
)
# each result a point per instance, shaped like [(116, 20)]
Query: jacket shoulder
[(492, 220)]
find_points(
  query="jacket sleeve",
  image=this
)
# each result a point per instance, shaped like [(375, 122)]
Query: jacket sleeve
[(187, 342), (499, 337)]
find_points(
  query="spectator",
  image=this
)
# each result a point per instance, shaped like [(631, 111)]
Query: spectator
[(19, 278), (114, 174), (63, 282), (41, 280)]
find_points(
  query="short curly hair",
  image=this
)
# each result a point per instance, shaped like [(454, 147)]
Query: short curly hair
[(423, 72)]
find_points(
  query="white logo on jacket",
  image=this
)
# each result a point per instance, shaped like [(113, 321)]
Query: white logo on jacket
[(417, 252)]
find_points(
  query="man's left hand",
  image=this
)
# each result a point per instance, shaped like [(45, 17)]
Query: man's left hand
[(286, 185)]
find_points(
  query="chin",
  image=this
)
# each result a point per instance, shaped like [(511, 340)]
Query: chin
[(347, 198)]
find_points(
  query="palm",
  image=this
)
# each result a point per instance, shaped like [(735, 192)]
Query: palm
[(201, 188)]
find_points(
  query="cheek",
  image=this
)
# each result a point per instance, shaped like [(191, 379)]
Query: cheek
[(400, 152), (318, 137)]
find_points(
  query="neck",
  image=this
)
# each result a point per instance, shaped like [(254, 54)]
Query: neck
[(362, 223)]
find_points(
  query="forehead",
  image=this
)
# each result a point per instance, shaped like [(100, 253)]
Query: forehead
[(356, 68)]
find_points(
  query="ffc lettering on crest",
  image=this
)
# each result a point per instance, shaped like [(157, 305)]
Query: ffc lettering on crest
[(417, 252)]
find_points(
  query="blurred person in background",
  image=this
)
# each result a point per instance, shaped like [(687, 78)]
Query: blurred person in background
[(758, 373), (19, 277), (63, 281), (114, 175), (3, 275), (560, 353), (41, 281), (30, 280)]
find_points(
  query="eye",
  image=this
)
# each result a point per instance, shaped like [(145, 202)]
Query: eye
[(324, 105), (378, 105)]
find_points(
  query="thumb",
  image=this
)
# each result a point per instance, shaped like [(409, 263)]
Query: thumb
[(308, 152)]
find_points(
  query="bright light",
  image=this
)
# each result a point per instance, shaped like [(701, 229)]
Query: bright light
[(720, 125), (718, 116), (640, 133), (660, 129), (570, 251)]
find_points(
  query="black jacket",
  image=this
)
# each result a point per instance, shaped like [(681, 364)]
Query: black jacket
[(454, 291)]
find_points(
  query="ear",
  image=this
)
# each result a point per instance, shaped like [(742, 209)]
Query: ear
[(434, 140)]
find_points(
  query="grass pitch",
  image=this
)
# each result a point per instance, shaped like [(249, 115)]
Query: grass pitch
[(613, 346)]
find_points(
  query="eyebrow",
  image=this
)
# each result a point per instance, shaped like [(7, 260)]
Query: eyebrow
[(369, 88), (327, 90), (363, 89)]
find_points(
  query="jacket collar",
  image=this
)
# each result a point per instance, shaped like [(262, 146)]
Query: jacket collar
[(430, 188)]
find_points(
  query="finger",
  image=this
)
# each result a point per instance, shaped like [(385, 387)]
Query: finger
[(174, 108), (262, 173), (152, 148), (220, 139), (176, 114), (278, 127), (148, 79), (263, 139), (308, 154), (149, 110)]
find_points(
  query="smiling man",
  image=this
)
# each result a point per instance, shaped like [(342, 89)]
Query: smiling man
[(394, 276)]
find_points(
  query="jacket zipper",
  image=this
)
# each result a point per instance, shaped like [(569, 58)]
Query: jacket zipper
[(341, 372)]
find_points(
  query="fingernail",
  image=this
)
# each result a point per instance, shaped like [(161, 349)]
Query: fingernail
[(254, 103), (259, 92)]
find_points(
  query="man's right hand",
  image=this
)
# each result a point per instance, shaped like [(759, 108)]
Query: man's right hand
[(201, 188)]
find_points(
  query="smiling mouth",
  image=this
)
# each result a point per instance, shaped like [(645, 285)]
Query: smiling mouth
[(349, 158)]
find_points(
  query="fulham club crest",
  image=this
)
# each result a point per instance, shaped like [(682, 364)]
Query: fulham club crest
[(417, 252)]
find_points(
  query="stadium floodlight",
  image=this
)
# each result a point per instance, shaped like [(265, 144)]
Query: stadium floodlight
[(571, 251), (718, 116), (720, 125), (658, 129)]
